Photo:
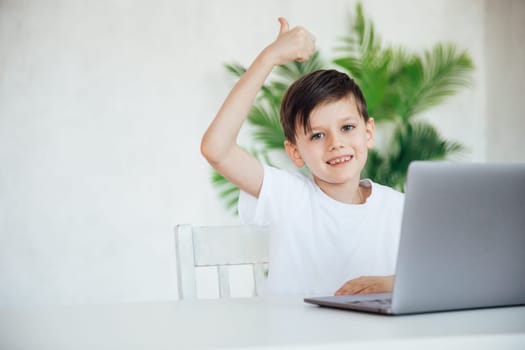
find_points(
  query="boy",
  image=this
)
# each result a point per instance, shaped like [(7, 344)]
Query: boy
[(328, 231)]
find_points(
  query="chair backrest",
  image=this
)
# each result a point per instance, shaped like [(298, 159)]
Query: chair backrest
[(219, 246)]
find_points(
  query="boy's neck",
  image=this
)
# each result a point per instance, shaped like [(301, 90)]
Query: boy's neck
[(350, 192)]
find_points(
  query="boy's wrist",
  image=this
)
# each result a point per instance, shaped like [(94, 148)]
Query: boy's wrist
[(267, 57)]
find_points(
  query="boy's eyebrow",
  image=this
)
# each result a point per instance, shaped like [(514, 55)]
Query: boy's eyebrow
[(350, 118)]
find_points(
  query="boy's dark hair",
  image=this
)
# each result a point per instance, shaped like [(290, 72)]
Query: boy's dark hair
[(313, 90)]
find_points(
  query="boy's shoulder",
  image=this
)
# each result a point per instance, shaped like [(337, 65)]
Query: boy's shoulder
[(385, 194), (389, 190)]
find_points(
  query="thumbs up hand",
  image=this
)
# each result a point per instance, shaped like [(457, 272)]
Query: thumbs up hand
[(296, 44)]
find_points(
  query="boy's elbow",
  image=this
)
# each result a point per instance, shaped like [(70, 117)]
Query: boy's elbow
[(205, 149), (209, 151)]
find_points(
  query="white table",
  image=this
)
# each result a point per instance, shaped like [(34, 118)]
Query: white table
[(277, 323)]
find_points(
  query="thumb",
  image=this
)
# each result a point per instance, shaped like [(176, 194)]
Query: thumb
[(284, 25)]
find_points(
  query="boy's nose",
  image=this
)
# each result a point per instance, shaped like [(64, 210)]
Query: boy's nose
[(335, 142)]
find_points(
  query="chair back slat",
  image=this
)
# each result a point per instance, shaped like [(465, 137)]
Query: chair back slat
[(259, 277), (186, 284), (230, 245), (224, 281), (220, 247)]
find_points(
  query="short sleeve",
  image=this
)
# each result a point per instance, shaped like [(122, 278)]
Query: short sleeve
[(247, 208), (279, 190)]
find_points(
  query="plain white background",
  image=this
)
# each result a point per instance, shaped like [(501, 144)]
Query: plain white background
[(103, 104)]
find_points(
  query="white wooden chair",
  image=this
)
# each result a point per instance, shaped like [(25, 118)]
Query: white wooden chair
[(219, 246)]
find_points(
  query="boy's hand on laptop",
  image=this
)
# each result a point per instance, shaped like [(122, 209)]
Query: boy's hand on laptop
[(296, 44), (367, 284)]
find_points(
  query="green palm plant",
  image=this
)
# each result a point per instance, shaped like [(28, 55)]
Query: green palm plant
[(398, 86)]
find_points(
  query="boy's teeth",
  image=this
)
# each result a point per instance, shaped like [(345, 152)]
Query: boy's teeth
[(339, 160)]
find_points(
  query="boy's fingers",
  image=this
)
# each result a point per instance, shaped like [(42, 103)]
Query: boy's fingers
[(284, 25)]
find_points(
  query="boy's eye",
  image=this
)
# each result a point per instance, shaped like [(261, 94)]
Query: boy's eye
[(348, 127), (317, 136)]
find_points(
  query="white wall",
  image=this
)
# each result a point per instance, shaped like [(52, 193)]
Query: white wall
[(102, 105), (505, 71)]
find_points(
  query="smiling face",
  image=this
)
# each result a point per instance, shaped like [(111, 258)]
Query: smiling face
[(335, 147)]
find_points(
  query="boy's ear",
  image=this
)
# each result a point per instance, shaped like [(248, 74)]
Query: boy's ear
[(370, 125), (293, 153)]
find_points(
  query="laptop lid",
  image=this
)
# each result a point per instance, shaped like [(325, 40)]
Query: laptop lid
[(462, 241)]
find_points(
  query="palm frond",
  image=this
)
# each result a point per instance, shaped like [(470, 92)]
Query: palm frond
[(235, 68), (440, 73), (361, 46), (421, 141), (410, 142), (268, 130), (227, 191), (395, 82), (367, 63)]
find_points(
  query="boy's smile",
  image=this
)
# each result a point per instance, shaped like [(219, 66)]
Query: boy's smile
[(339, 161), (335, 148)]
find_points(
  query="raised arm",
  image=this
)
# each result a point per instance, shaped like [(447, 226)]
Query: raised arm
[(219, 143)]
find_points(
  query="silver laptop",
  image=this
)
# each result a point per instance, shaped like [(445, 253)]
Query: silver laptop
[(462, 242)]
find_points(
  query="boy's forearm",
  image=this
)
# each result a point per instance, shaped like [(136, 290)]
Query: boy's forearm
[(223, 131)]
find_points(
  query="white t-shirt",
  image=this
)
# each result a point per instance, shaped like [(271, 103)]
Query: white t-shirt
[(318, 243)]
